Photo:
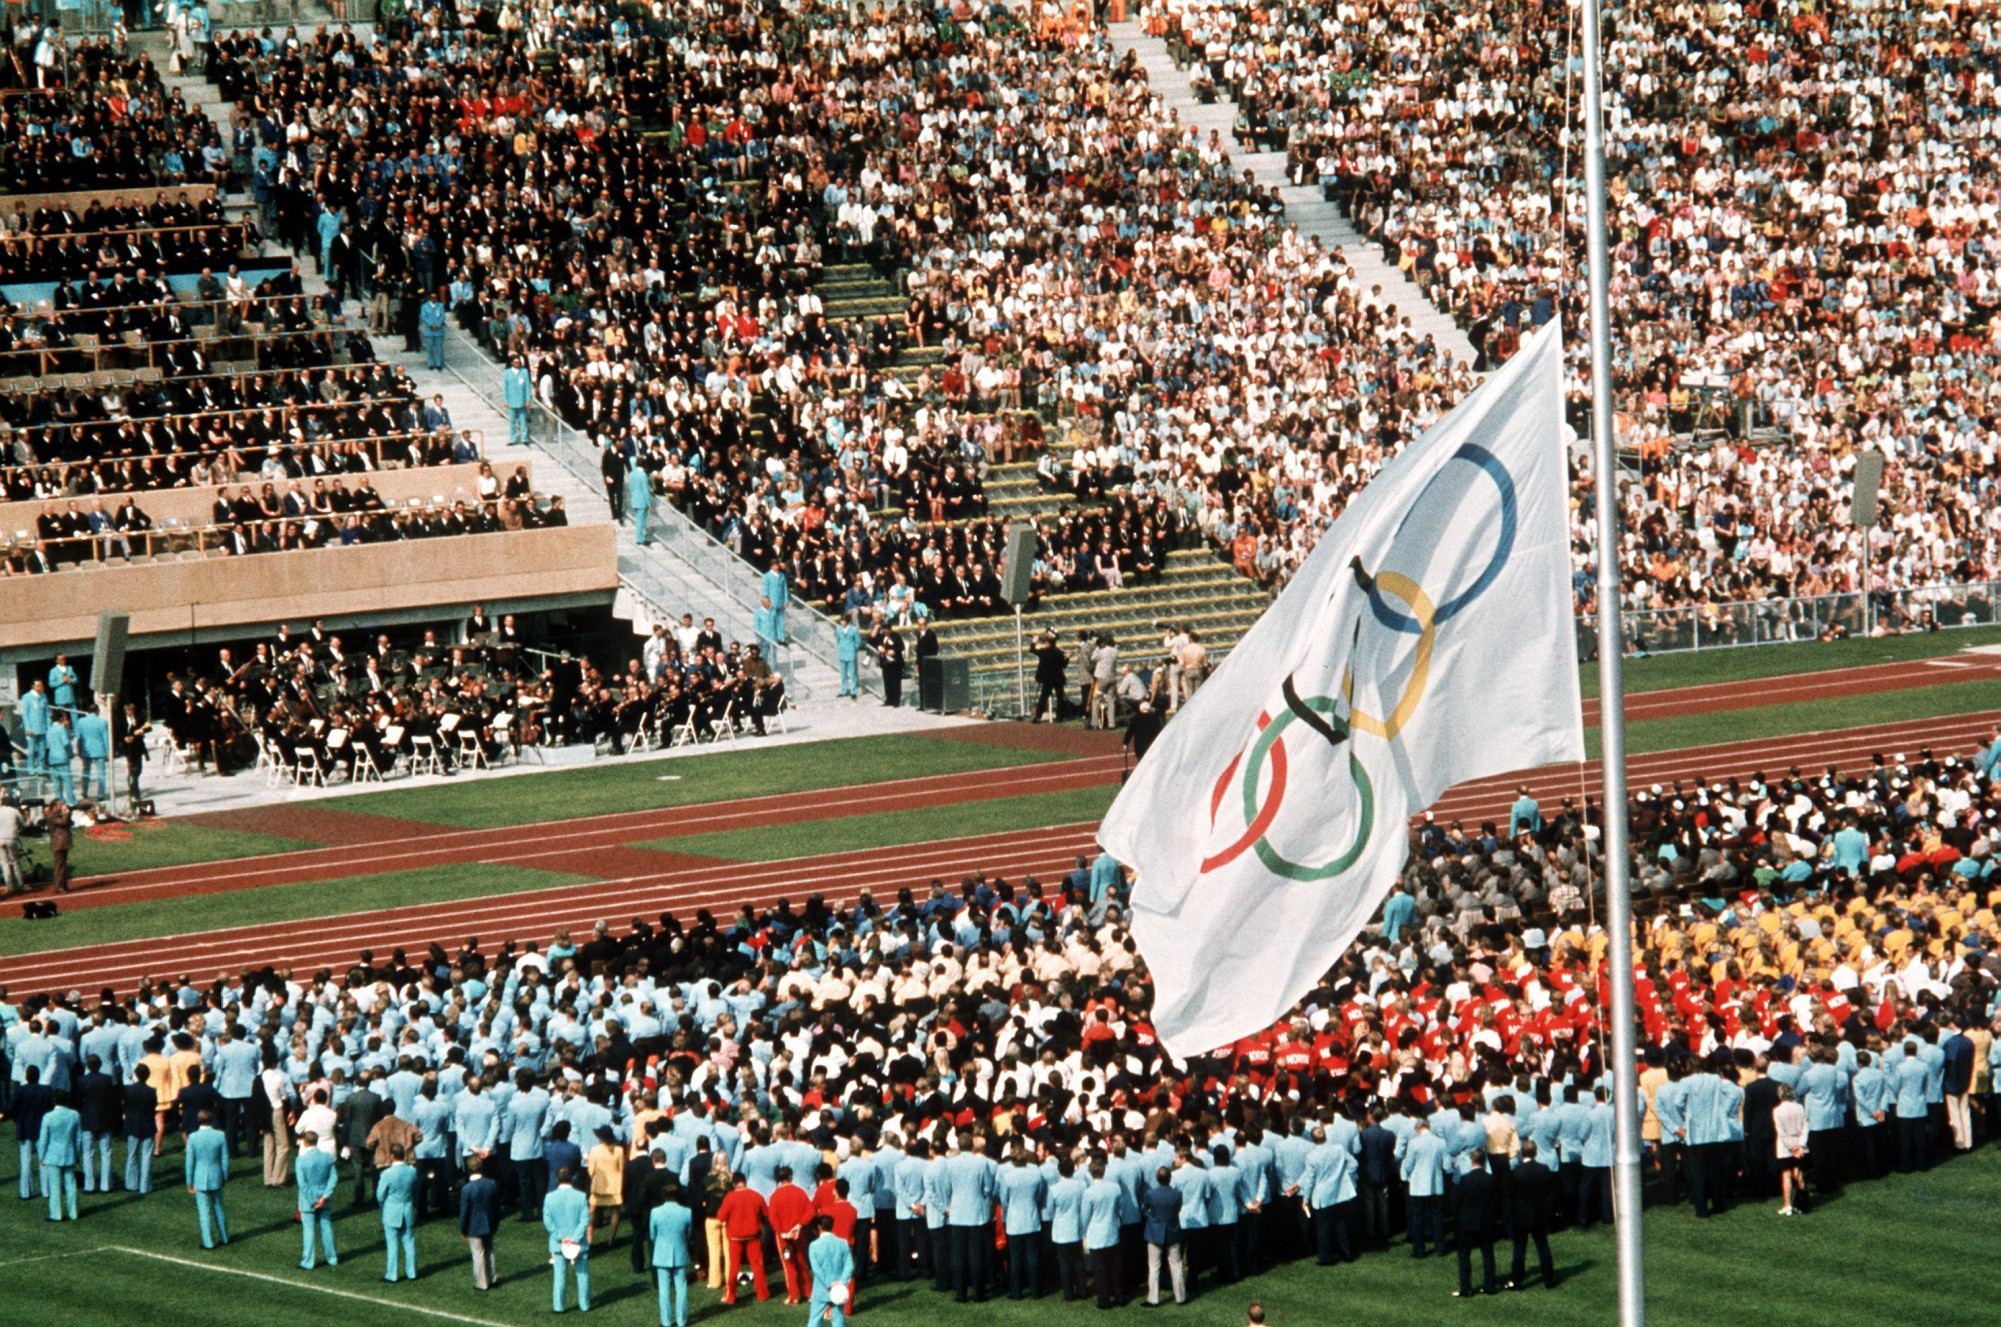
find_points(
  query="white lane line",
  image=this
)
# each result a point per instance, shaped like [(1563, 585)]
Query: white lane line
[(305, 1285)]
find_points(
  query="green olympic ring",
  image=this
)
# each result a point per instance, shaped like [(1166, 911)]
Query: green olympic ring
[(1253, 767)]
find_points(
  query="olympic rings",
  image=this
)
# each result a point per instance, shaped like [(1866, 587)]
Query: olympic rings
[(1504, 546), (1422, 619), (1420, 669), (1259, 813)]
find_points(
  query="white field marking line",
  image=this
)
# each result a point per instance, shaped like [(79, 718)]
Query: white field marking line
[(641, 824), (837, 866), (50, 1257), (305, 1285), (538, 929), (504, 910)]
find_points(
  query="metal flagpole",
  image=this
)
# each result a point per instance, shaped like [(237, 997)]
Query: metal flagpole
[(1611, 707)]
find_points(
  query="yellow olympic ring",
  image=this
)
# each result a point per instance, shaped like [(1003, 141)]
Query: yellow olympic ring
[(1411, 593)]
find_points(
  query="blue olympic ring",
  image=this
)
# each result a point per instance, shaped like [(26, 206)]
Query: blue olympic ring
[(1397, 620)]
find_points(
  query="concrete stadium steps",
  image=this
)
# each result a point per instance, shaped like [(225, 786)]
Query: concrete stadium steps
[(1196, 589), (1304, 205)]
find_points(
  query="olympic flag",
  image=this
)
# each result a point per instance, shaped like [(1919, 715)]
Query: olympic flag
[(1427, 640)]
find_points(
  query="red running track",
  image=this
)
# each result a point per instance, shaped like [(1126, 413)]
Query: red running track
[(536, 915), (558, 845), (1794, 687)]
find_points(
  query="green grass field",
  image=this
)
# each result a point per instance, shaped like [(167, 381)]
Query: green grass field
[(1659, 672), (615, 786), (1812, 716), (158, 843), (890, 828), (1907, 1250)]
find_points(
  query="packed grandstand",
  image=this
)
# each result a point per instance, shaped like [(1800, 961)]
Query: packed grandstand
[(852, 288)]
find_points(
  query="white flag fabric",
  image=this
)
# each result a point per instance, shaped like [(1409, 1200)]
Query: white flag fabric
[(1426, 641)]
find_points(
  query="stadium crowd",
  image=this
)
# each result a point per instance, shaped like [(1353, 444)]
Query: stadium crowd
[(1802, 241), (962, 1084), (92, 115)]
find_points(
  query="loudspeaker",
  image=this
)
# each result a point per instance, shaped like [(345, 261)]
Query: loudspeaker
[(1868, 479), (107, 662), (1019, 564)]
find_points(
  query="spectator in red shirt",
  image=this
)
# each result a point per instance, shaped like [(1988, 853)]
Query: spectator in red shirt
[(790, 1209), (742, 1213)]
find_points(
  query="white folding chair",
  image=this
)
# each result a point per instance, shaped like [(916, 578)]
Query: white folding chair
[(686, 734), (503, 738), (336, 745), (725, 726), (365, 767), (424, 755), (268, 763), (785, 706), (306, 768), (471, 754)]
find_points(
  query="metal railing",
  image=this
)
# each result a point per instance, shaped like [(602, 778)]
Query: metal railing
[(45, 361), (808, 631), (1776, 621), (323, 447)]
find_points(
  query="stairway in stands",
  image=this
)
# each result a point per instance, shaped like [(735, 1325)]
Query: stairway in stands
[(1197, 589), (1304, 204)]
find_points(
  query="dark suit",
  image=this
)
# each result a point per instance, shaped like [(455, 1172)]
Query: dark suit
[(193, 1100), (644, 1185), (479, 1218), (1531, 1203), (1760, 1139), (1378, 1175), (1476, 1215), (356, 1120)]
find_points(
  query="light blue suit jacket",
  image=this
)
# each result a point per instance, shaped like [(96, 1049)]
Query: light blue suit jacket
[(316, 1176), (206, 1165), (668, 1230), (396, 1190), (62, 1128), (833, 1263), (566, 1214)]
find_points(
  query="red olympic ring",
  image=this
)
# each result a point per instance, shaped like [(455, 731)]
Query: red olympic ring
[(1267, 813)]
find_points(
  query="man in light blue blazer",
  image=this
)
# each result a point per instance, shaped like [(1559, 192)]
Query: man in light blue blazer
[(517, 388), (970, 1213), (1102, 1229), (60, 1148), (1329, 1186), (832, 1263), (566, 1215), (1423, 1173), (61, 745), (1022, 1194), (93, 743), (527, 1115), (316, 1176), (775, 587), (1594, 1192), (396, 1195), (206, 1169), (668, 1229)]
